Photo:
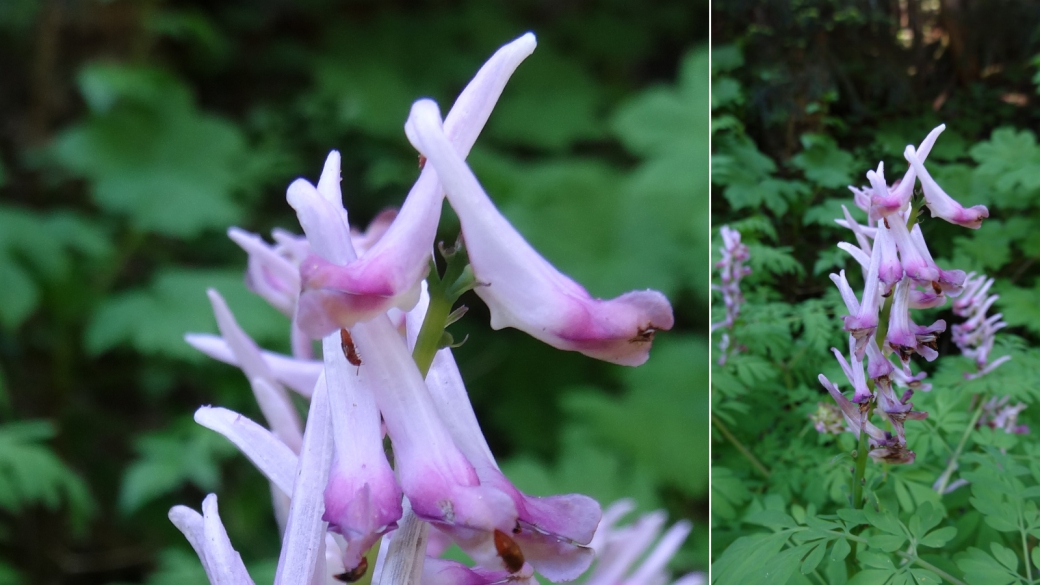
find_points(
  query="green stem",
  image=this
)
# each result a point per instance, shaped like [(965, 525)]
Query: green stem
[(926, 565), (429, 339), (861, 471), (857, 485), (740, 446), (944, 479), (1025, 554)]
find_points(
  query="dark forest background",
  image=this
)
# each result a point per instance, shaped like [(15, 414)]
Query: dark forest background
[(806, 97), (133, 133)]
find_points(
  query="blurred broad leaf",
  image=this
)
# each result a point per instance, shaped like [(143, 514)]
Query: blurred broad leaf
[(662, 420), (1010, 162), (154, 319), (664, 205), (584, 468), (149, 154), (167, 460), (551, 103), (38, 247), (824, 163)]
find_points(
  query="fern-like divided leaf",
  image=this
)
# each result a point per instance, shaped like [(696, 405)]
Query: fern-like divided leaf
[(32, 474)]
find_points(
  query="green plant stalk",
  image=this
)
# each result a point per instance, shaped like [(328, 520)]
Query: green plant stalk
[(944, 479), (857, 488), (740, 446), (861, 470), (1025, 552), (408, 550), (428, 342)]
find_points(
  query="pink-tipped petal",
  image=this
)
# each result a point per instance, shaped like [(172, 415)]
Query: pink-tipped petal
[(941, 204), (388, 274), (362, 498), (521, 288)]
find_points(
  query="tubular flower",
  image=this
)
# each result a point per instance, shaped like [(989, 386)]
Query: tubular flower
[(552, 532), (941, 204), (520, 287), (976, 335), (339, 294), (997, 414), (731, 271), (362, 499), (885, 201), (906, 337)]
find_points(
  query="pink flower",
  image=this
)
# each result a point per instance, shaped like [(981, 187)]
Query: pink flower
[(337, 293), (941, 204), (520, 287), (553, 532)]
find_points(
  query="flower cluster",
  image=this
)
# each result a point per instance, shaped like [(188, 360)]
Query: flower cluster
[(975, 336), (375, 305), (899, 275), (731, 271), (998, 414)]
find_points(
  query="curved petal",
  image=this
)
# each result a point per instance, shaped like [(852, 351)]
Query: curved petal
[(941, 204), (521, 288), (388, 274)]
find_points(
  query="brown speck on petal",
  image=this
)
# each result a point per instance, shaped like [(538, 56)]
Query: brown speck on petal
[(645, 335)]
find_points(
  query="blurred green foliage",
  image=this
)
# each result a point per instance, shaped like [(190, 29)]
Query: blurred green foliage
[(807, 96), (136, 132)]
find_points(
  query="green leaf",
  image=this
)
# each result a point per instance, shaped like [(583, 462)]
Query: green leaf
[(553, 102), (823, 162), (1004, 556), (981, 569), (151, 156), (939, 538), (871, 577), (884, 521), (745, 562), (586, 468), (876, 561), (1010, 162), (853, 517), (771, 519), (31, 473), (167, 460), (667, 405), (153, 320), (813, 559), (925, 577), (727, 493), (887, 542), (36, 248), (840, 550)]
